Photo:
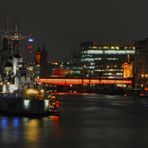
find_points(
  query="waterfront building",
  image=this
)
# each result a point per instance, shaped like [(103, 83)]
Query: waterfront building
[(106, 60), (141, 63), (75, 64)]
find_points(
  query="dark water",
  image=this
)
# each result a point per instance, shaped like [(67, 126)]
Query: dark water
[(86, 121)]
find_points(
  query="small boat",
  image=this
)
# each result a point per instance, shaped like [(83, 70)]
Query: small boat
[(133, 92), (31, 103), (141, 92)]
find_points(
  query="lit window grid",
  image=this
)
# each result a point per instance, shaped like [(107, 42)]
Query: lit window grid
[(108, 52), (113, 47), (99, 59)]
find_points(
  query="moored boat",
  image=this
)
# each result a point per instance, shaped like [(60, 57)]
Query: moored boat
[(30, 103)]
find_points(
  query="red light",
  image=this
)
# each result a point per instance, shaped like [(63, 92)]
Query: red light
[(141, 94), (29, 46), (57, 104), (56, 118), (64, 81)]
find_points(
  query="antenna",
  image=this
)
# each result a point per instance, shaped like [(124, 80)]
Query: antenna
[(16, 28), (7, 25)]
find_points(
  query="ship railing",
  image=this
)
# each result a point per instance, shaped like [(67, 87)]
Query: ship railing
[(9, 95)]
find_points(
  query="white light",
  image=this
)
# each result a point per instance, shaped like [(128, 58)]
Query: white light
[(119, 52), (42, 90), (26, 104), (46, 103), (89, 52), (30, 40)]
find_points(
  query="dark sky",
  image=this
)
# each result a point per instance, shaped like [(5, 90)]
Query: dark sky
[(63, 24)]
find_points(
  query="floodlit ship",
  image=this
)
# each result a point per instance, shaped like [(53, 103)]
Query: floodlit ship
[(30, 102), (15, 98)]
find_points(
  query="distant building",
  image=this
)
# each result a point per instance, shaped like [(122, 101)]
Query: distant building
[(75, 64), (37, 56), (106, 60), (141, 63), (44, 68)]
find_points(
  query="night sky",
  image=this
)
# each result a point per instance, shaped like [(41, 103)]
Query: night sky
[(62, 24)]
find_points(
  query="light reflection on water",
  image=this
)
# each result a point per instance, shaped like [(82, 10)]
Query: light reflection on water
[(32, 130), (28, 130), (4, 122), (90, 121)]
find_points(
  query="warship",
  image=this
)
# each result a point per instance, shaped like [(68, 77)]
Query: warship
[(19, 94)]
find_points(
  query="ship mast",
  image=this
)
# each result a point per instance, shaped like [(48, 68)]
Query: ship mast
[(15, 37)]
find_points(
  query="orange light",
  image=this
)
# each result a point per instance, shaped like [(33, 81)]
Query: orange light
[(127, 70), (30, 47), (63, 82), (37, 57), (146, 88), (55, 118)]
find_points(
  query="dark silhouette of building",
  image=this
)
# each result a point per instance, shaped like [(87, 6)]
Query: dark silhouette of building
[(44, 70), (141, 63)]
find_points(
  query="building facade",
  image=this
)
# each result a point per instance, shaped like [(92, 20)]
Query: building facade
[(141, 63), (106, 60)]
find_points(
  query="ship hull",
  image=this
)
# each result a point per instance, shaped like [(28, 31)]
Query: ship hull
[(26, 108), (31, 115)]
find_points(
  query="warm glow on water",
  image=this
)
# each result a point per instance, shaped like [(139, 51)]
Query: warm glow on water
[(54, 118), (85, 121), (32, 130)]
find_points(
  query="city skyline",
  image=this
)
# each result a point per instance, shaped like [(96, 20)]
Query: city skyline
[(61, 26)]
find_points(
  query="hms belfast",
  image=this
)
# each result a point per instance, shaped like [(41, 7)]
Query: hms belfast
[(19, 96), (10, 61)]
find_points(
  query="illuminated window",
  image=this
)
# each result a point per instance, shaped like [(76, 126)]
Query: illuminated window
[(87, 59), (92, 63), (97, 58), (91, 67), (93, 52), (105, 47), (94, 47), (112, 59), (112, 47), (119, 52), (117, 47)]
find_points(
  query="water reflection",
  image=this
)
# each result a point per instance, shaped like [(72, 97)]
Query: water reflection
[(54, 118), (3, 122), (6, 122), (9, 129), (32, 130), (16, 122), (89, 121)]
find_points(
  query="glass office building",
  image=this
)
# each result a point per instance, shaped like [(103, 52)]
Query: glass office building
[(106, 60)]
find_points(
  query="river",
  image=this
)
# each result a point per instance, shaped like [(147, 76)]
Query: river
[(85, 121)]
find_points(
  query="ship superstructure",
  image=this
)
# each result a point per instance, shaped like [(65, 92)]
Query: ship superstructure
[(11, 61), (19, 96)]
